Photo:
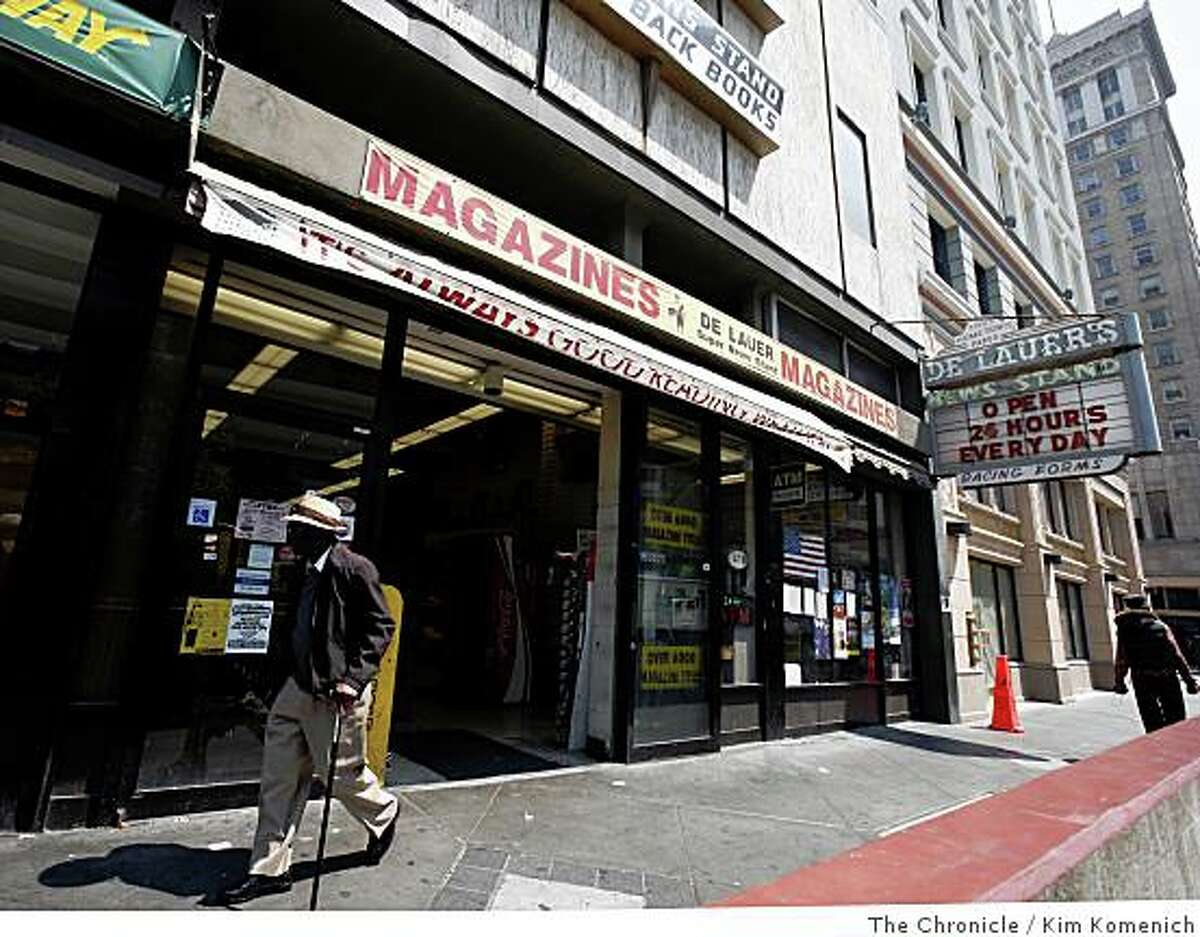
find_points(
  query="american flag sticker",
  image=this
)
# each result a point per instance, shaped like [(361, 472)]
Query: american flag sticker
[(803, 553)]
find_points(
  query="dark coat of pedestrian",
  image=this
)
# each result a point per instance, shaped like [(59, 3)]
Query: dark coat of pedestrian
[(1148, 652)]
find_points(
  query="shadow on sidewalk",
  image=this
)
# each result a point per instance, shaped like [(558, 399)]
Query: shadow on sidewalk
[(177, 870), (944, 746)]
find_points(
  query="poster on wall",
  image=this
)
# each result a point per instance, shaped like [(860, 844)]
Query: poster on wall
[(249, 626), (867, 624), (263, 521), (822, 639), (841, 650)]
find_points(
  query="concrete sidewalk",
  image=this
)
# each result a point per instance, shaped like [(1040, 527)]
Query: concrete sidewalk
[(677, 833)]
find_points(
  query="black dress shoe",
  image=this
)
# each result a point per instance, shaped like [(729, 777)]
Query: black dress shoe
[(377, 846), (256, 886)]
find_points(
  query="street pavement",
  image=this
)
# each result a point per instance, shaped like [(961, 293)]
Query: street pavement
[(668, 834)]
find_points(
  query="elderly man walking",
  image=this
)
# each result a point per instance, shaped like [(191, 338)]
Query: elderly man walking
[(341, 631)]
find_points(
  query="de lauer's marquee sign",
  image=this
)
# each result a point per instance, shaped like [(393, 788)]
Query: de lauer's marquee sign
[(701, 59), (1060, 403), (435, 200)]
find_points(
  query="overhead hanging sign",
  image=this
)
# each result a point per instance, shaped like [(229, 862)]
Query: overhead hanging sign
[(109, 43), (237, 209), (704, 62), (432, 199), (1027, 409)]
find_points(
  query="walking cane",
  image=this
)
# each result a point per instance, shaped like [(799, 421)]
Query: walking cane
[(333, 751)]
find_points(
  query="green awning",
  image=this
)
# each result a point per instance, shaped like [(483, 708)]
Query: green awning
[(110, 44)]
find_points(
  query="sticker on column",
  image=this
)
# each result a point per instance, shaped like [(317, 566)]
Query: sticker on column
[(202, 512)]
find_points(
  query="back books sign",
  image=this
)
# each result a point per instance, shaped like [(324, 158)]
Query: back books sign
[(1059, 403)]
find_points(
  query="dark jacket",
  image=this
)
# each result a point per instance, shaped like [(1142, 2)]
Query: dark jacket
[(1145, 643), (351, 627)]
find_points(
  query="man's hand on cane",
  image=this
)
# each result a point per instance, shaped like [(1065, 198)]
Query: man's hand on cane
[(345, 696)]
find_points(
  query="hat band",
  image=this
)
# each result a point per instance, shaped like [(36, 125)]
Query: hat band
[(312, 515)]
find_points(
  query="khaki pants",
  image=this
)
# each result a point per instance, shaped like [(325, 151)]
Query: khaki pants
[(296, 747)]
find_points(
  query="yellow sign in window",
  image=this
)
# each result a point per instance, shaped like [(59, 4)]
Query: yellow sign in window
[(671, 667)]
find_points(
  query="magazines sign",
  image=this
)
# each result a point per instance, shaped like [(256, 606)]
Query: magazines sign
[(1063, 403), (269, 220), (437, 201)]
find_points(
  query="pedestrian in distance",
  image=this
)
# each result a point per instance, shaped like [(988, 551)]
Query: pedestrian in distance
[(1148, 652), (341, 631)]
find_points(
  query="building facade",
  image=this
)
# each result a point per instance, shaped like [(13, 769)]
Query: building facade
[(602, 320), (598, 317), (1031, 571), (1113, 82)]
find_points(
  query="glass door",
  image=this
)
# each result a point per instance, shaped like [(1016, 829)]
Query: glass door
[(672, 688)]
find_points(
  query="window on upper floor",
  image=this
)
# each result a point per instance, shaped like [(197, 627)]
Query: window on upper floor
[(872, 373), (1138, 224), (854, 179), (1110, 94), (1056, 508), (1165, 355), (1118, 137), (1162, 526), (940, 241), (1026, 315), (1011, 110), (943, 13), (1072, 100), (1110, 297), (920, 85), (1105, 266), (1098, 236), (987, 286), (1131, 194), (1082, 152), (1127, 165), (1174, 391), (1158, 319), (1076, 125), (1144, 256), (799, 331), (1094, 209), (962, 145), (1109, 83), (1181, 428), (1150, 286), (983, 62), (1087, 181)]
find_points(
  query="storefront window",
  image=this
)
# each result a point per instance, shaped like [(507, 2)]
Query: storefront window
[(896, 608), (288, 389), (739, 659), (671, 620), (46, 245), (994, 596), (852, 592)]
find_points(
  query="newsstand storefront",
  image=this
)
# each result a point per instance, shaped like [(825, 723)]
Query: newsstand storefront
[(621, 522)]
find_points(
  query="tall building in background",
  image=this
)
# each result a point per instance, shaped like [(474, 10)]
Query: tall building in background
[(1113, 82), (1031, 571)]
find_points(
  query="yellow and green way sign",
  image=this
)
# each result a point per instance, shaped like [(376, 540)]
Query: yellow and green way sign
[(108, 43)]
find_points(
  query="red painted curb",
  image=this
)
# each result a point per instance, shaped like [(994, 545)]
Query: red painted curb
[(1010, 847)]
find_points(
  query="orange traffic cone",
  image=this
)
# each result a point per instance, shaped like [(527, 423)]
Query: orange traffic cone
[(1004, 703)]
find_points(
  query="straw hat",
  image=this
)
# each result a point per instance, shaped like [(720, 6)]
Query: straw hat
[(316, 511)]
